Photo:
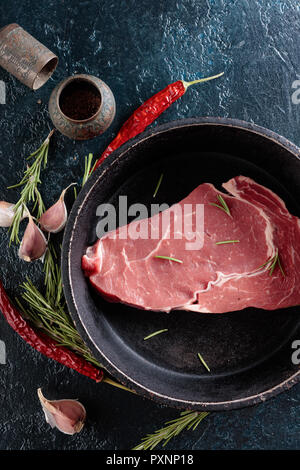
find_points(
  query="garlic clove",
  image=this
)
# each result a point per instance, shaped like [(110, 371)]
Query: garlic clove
[(34, 243), (6, 214), (68, 416), (55, 218)]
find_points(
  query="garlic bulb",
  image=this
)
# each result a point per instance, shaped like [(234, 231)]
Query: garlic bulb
[(55, 218), (6, 213), (66, 415), (34, 243)]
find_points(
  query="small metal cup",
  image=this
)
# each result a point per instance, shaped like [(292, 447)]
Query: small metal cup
[(94, 125), (25, 57)]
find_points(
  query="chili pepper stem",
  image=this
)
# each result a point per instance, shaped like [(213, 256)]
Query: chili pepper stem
[(206, 79), (116, 384)]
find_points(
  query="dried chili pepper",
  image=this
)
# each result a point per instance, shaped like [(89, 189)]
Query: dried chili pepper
[(43, 343), (148, 112)]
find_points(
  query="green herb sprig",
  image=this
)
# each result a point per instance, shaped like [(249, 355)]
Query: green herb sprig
[(52, 275), (88, 168), (203, 362), (169, 258), (187, 420), (155, 334), (158, 185), (55, 321), (30, 192), (48, 311), (52, 272), (225, 242), (223, 205), (272, 263)]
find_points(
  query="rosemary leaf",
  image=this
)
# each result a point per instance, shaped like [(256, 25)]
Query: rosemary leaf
[(154, 334), (203, 362), (88, 168), (280, 267), (158, 185), (51, 274), (223, 205), (30, 192), (264, 264), (168, 258), (271, 263), (187, 420), (56, 322), (227, 241)]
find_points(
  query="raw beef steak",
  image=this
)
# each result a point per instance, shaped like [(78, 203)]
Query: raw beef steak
[(256, 268)]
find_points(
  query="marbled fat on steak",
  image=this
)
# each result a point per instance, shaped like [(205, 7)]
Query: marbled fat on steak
[(216, 278)]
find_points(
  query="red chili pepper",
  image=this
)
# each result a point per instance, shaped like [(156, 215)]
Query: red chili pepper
[(43, 343), (148, 112)]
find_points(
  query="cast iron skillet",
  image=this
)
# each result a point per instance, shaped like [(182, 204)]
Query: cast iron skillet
[(249, 352)]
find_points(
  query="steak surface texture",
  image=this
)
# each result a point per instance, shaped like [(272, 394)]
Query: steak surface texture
[(257, 267)]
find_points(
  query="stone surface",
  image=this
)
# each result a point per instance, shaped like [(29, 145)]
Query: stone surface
[(137, 48)]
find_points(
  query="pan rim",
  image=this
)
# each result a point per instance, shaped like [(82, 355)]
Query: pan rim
[(123, 377)]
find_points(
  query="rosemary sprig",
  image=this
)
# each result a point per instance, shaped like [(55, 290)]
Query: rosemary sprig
[(280, 266), (223, 206), (52, 270), (276, 260), (56, 322), (169, 258), (52, 275), (272, 262), (203, 362), (155, 333), (88, 168), (224, 242), (48, 311), (187, 420), (30, 192), (158, 185)]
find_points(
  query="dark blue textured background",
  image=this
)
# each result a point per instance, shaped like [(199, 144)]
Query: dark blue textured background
[(138, 47)]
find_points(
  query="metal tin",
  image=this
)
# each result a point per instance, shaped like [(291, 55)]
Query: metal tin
[(94, 125), (25, 57)]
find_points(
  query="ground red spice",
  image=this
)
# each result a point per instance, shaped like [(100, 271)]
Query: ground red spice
[(80, 100)]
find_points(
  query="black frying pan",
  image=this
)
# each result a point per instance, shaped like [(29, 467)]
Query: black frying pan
[(249, 352)]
